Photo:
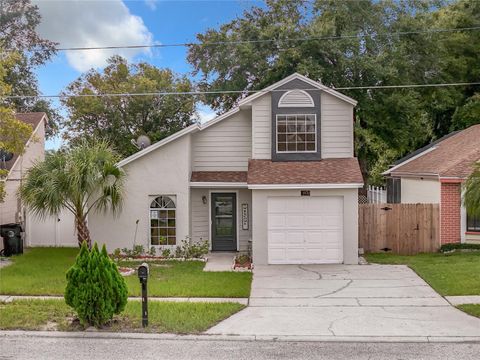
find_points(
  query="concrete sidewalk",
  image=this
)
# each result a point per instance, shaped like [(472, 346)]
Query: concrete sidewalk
[(243, 301), (461, 300), (346, 301)]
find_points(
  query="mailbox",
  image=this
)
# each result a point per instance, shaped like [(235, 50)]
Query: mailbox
[(143, 272), (143, 276)]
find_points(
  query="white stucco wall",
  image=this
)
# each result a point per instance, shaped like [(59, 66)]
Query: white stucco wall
[(417, 190), (34, 151), (165, 171), (260, 221)]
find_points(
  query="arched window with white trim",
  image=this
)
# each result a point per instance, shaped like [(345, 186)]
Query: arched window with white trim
[(296, 98), (163, 221)]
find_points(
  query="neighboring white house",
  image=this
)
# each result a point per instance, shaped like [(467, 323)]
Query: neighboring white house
[(434, 174), (278, 171), (52, 231)]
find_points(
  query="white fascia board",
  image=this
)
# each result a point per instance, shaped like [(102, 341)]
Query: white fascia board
[(304, 186), (187, 130), (213, 185), (408, 160), (219, 118), (315, 84), (155, 146)]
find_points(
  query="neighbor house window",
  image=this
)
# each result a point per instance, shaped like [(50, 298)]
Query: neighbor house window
[(163, 221), (296, 133), (473, 223)]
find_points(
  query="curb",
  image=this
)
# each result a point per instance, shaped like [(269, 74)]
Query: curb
[(266, 338)]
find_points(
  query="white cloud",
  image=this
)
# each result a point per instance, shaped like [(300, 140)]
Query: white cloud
[(205, 113), (151, 4), (77, 23)]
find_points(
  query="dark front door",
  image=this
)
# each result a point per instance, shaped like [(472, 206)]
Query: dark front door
[(224, 224)]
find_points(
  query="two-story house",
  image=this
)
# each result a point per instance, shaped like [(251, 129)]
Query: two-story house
[(276, 173), (49, 231)]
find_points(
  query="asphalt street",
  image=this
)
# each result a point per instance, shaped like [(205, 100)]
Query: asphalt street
[(30, 347)]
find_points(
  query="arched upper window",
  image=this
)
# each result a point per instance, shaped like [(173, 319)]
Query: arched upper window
[(163, 202), (163, 221), (296, 98)]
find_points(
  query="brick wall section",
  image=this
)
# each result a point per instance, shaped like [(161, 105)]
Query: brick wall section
[(450, 212)]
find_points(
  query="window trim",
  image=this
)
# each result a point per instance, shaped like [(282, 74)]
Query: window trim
[(470, 230), (301, 151), (152, 198)]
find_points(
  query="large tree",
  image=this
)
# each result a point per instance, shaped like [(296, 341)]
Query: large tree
[(82, 179), (120, 119), (19, 20), (349, 44), (13, 133)]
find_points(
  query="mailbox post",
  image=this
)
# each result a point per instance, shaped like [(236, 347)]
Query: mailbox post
[(143, 276)]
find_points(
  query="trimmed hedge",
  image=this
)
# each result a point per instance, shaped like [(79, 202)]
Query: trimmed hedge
[(459, 246)]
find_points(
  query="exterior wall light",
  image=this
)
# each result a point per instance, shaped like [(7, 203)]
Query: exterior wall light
[(204, 200)]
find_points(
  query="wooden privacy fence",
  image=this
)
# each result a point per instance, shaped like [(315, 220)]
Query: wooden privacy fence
[(405, 229)]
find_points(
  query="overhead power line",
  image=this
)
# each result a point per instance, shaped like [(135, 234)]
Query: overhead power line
[(237, 42), (212, 92)]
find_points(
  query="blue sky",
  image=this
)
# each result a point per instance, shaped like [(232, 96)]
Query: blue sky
[(116, 22)]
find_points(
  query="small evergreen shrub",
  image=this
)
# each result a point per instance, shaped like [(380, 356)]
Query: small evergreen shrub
[(95, 288), (459, 246)]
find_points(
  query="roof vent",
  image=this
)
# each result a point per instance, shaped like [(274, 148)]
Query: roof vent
[(296, 98)]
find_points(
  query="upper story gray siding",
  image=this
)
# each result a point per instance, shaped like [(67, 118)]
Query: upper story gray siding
[(251, 132), (225, 146)]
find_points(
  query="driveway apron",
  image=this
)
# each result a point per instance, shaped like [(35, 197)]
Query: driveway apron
[(346, 301)]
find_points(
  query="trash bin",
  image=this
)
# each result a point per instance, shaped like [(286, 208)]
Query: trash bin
[(12, 239)]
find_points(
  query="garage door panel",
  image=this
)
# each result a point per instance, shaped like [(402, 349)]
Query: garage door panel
[(332, 221), (277, 237), (295, 255), (294, 221), (313, 221), (305, 230), (295, 237), (276, 221), (314, 237)]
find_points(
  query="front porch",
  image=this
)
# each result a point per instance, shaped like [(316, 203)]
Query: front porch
[(221, 213)]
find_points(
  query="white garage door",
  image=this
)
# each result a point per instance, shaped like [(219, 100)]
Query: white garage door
[(305, 230)]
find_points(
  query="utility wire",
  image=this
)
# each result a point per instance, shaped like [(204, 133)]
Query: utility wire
[(238, 42), (163, 93)]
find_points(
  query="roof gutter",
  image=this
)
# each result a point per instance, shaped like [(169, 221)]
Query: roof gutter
[(304, 186)]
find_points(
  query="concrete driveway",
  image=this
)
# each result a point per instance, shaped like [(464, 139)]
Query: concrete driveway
[(346, 301)]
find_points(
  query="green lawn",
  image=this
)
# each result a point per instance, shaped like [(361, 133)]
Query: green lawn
[(472, 309), (449, 274), (170, 317), (41, 271)]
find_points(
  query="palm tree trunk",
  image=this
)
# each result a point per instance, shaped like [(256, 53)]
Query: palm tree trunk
[(82, 232)]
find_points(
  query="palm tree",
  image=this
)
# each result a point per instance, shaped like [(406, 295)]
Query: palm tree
[(471, 196), (82, 179)]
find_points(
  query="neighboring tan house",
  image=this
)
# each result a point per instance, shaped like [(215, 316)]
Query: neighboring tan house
[(434, 174), (276, 173), (50, 231)]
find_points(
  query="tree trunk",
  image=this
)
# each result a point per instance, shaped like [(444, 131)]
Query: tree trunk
[(82, 232)]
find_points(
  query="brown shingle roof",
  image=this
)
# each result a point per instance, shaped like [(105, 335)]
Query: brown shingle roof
[(219, 176), (452, 157), (32, 119), (326, 171)]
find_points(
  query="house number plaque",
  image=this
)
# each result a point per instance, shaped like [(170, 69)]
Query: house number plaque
[(244, 216), (305, 193)]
